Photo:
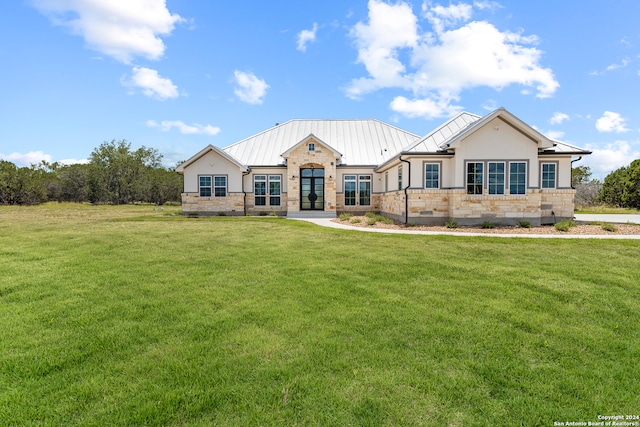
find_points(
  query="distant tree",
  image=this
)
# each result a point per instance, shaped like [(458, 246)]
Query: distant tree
[(621, 187), (118, 174), (73, 183), (22, 186), (587, 189), (580, 175)]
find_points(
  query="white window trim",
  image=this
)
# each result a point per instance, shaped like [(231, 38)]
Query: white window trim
[(214, 186), (357, 178), (439, 165), (526, 176), (555, 175), (504, 177)]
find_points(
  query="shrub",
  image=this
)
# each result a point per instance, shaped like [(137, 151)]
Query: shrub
[(372, 220), (565, 225), (451, 224), (273, 213), (370, 215), (262, 213), (222, 214), (607, 226), (345, 216), (356, 221), (193, 214), (524, 224), (385, 220), (487, 224)]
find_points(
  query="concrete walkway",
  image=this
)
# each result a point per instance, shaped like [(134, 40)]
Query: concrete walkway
[(619, 219)]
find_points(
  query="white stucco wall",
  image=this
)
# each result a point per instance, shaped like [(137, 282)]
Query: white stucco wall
[(212, 164)]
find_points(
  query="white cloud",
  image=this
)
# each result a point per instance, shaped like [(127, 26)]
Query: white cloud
[(611, 122), (306, 36), (195, 129), (554, 134), (151, 83), (423, 107), (558, 118), (118, 28), (613, 156), (249, 88), (26, 159), (444, 62)]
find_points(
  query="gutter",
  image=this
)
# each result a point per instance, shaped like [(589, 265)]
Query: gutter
[(572, 162), (406, 195), (244, 198)]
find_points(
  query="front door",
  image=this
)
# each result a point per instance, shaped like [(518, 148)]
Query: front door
[(312, 189)]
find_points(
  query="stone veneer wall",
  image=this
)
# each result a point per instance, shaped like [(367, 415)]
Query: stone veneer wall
[(374, 207), (437, 207), (280, 210), (301, 157), (232, 204)]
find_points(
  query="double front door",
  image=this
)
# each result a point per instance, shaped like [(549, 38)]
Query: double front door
[(312, 189)]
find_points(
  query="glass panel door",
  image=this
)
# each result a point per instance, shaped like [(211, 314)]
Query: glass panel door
[(312, 189)]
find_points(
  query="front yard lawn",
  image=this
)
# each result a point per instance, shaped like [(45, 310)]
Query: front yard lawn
[(139, 316)]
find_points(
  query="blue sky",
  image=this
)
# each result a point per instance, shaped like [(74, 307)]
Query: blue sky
[(178, 75)]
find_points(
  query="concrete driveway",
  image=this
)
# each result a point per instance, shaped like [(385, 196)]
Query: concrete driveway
[(615, 218)]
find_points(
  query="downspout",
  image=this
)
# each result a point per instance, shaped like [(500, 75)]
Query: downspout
[(406, 195), (244, 198), (572, 162)]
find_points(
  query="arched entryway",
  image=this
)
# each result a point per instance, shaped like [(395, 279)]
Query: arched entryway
[(312, 189)]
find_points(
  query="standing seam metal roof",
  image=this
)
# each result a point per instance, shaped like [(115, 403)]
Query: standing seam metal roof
[(361, 142)]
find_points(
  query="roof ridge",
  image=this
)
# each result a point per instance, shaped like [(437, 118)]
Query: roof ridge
[(439, 128)]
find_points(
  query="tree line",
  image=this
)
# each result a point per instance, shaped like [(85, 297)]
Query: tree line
[(114, 174)]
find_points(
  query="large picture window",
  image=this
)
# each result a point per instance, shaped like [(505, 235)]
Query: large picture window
[(495, 177), (204, 186), (264, 185), (360, 184), (432, 175), (475, 171), (517, 178), (548, 175), (220, 186)]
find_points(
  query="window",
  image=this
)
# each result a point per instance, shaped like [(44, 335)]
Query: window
[(365, 189), (548, 175), (363, 185), (399, 177), (274, 189), (220, 186), (432, 175), (474, 177), (260, 185), (312, 146), (260, 190), (350, 190), (517, 178), (495, 177), (386, 182), (205, 186)]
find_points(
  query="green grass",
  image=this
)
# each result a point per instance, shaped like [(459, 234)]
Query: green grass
[(138, 316), (602, 209), (565, 225)]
